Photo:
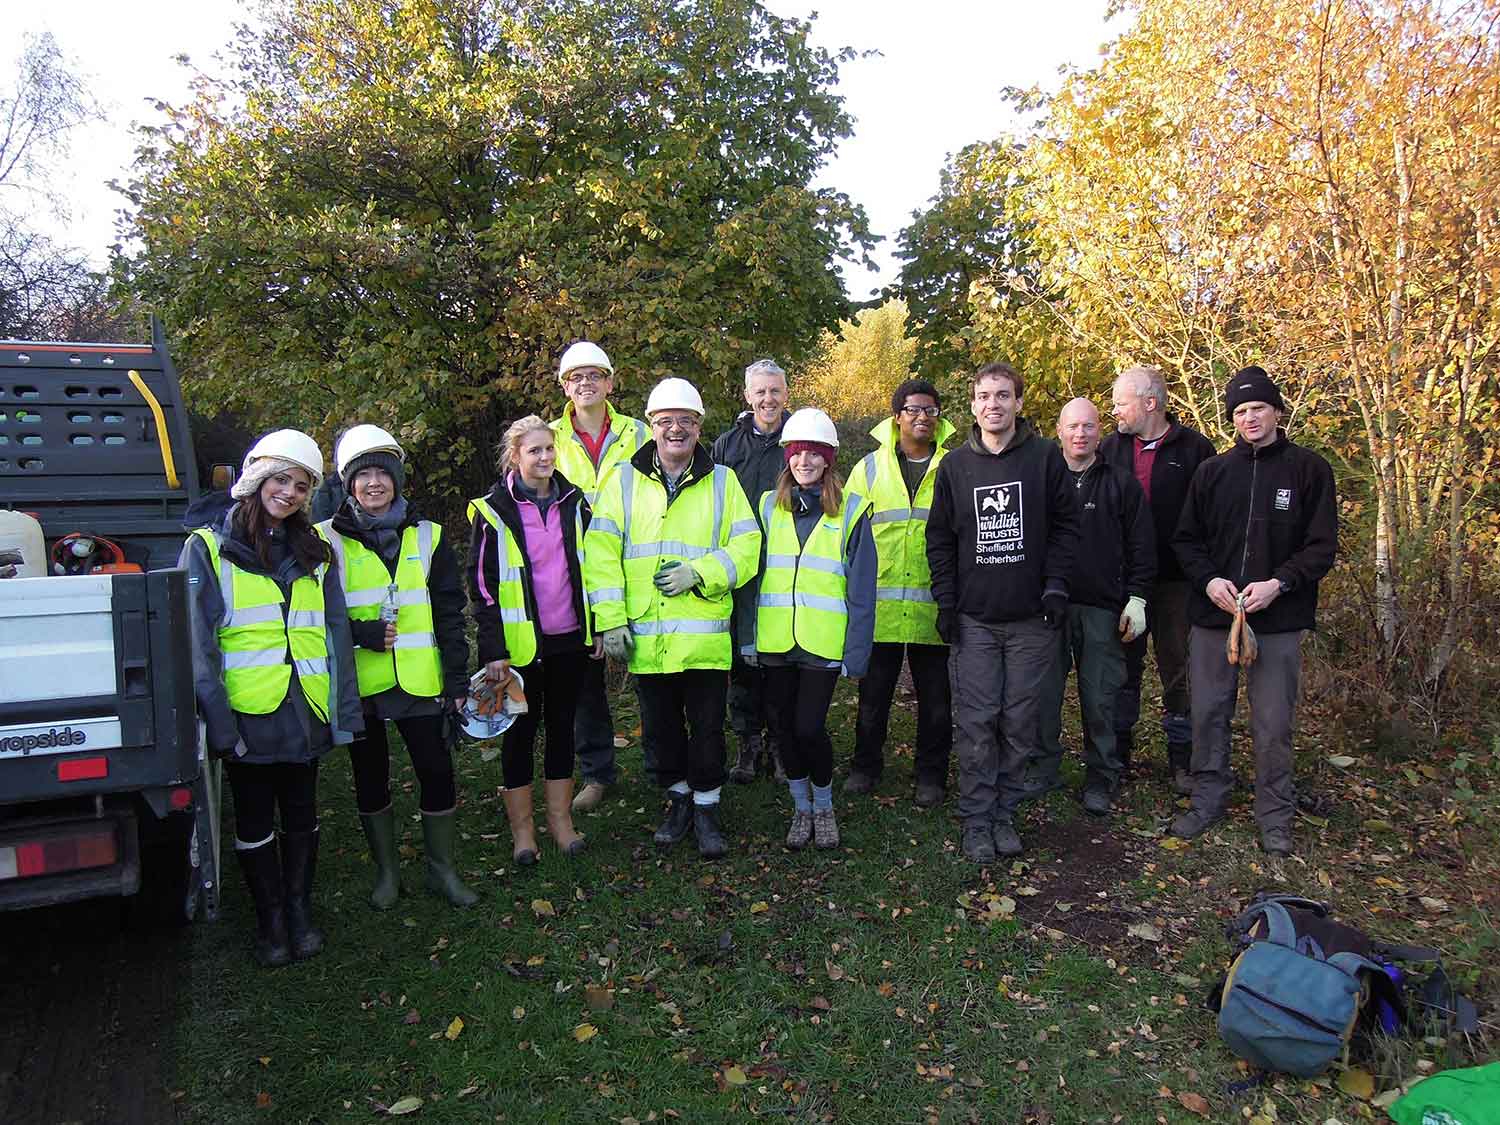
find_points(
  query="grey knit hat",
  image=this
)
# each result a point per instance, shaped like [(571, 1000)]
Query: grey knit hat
[(376, 459)]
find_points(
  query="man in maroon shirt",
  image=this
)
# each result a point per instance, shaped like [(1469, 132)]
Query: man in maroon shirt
[(1163, 454)]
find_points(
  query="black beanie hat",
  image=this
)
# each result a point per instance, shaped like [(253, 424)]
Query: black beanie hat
[(376, 459), (1251, 384)]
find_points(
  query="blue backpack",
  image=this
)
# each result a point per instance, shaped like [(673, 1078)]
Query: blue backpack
[(1287, 1004)]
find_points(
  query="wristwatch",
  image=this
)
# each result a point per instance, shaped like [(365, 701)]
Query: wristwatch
[(1285, 586)]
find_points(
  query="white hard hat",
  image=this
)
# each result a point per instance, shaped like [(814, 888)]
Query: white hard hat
[(674, 394), (810, 424), (491, 709), (288, 445), (583, 354), (363, 439)]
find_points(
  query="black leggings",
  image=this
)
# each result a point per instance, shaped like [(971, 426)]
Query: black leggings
[(552, 687), (259, 789), (797, 700), (370, 759)]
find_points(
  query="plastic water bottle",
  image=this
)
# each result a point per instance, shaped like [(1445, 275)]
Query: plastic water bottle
[(388, 607)]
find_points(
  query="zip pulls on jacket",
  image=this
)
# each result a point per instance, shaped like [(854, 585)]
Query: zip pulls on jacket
[(1249, 515)]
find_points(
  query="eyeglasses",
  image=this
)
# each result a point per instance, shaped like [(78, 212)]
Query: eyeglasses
[(575, 379), (921, 411), (680, 422)]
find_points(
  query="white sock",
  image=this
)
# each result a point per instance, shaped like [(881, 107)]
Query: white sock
[(680, 787), (707, 797)]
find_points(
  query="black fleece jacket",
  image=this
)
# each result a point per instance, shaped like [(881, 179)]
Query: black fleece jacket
[(755, 458), (1181, 451), (484, 562), (444, 589), (1253, 514), (1003, 527), (1116, 540)]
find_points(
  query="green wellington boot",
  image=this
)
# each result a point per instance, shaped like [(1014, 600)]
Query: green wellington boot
[(437, 834), (380, 833)]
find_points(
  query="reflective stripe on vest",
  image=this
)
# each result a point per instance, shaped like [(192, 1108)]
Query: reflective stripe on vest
[(905, 612), (415, 663), (802, 597), (259, 630)]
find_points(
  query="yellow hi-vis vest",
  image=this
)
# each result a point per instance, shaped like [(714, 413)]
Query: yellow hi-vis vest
[(709, 526), (510, 598), (904, 610), (254, 637), (626, 435), (803, 597), (414, 663)]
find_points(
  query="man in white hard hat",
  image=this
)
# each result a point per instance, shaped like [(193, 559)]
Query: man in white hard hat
[(672, 537), (592, 440), (752, 448)]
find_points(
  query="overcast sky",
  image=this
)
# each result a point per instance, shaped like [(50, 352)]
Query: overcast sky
[(934, 88)]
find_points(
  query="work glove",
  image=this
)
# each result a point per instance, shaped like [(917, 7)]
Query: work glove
[(1054, 606), (675, 578), (945, 630), (617, 643), (1133, 619)]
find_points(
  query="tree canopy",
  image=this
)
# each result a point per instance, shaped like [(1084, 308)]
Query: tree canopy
[(403, 210)]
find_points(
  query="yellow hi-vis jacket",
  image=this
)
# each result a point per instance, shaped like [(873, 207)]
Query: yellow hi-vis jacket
[(905, 612), (709, 526), (803, 591), (414, 663), (516, 620), (255, 636), (626, 435)]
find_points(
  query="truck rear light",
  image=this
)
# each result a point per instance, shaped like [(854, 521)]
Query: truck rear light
[(181, 798), (83, 769), (95, 847)]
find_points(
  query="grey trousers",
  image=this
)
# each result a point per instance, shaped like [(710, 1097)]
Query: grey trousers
[(1089, 640), (594, 730), (998, 671), (1273, 682)]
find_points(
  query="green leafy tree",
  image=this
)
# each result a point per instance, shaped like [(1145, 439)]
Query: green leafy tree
[(404, 210)]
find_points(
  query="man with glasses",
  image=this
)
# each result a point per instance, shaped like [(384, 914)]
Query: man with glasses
[(1162, 454), (898, 480), (672, 538), (592, 439), (752, 448)]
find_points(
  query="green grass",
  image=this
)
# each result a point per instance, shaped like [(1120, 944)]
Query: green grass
[(872, 984)]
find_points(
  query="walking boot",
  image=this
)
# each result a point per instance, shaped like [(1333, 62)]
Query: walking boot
[(589, 796), (522, 834), (1007, 839), (380, 834), (299, 865), (979, 843), (262, 871), (743, 771), (1276, 841), (438, 832), (800, 832), (1097, 797), (711, 844), (1040, 781), (1179, 761), (859, 783), (778, 771), (679, 820), (1195, 822), (825, 828), (1125, 747), (560, 816)]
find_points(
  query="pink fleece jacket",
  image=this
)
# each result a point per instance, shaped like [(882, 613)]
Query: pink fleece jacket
[(547, 554)]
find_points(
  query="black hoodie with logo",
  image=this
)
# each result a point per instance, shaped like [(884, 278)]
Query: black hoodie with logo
[(1003, 527), (1253, 514)]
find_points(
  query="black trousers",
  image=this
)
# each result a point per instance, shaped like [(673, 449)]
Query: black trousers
[(683, 712), (929, 672), (798, 699), (260, 789), (370, 761), (553, 685)]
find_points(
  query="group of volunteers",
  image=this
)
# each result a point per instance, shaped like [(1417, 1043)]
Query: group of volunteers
[(749, 577)]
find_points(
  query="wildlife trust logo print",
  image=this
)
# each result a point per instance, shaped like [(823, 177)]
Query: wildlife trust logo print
[(1000, 523)]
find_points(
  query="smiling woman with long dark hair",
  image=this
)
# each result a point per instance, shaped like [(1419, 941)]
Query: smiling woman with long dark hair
[(274, 676)]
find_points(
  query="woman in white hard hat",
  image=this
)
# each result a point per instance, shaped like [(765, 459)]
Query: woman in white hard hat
[(814, 612), (530, 614), (406, 613), (273, 671)]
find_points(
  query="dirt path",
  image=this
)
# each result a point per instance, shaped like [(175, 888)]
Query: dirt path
[(87, 1006)]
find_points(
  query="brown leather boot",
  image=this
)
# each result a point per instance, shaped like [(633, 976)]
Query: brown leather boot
[(560, 816), (522, 834)]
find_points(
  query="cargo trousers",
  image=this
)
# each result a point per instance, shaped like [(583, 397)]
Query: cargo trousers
[(1089, 640), (1273, 683)]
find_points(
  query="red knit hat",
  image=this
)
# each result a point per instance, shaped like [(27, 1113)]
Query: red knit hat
[(792, 448)]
